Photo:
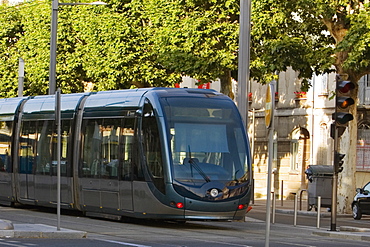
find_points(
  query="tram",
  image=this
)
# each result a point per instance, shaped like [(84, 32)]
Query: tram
[(157, 153)]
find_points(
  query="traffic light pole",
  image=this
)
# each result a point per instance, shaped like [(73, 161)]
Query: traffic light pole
[(341, 117), (333, 224)]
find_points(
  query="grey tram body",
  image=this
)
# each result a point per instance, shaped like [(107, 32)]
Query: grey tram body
[(146, 164)]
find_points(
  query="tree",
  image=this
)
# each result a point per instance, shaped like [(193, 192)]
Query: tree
[(127, 43), (314, 36), (195, 38), (9, 34), (99, 47)]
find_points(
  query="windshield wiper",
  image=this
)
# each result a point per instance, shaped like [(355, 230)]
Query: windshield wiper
[(194, 164)]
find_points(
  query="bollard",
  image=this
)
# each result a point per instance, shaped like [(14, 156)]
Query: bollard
[(282, 193), (300, 198), (273, 207), (252, 196), (318, 211), (295, 209)]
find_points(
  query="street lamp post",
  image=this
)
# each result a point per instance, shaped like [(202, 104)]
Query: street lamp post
[(53, 40), (244, 57), (52, 86)]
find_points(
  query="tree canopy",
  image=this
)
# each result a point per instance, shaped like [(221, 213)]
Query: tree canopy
[(124, 44), (132, 43), (311, 36)]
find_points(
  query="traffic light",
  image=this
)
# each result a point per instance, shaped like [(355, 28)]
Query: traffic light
[(338, 162), (343, 101)]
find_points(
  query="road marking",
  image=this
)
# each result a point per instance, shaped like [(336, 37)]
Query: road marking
[(11, 244), (305, 245), (123, 243)]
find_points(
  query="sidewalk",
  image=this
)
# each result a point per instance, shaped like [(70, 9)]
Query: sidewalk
[(344, 232), (10, 230)]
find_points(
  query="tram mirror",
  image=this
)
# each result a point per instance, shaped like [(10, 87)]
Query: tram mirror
[(139, 113)]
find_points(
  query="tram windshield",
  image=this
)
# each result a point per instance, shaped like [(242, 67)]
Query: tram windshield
[(207, 142)]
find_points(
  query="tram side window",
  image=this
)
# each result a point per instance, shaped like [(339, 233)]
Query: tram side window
[(152, 146), (65, 132), (5, 141), (43, 160), (100, 148), (126, 147), (111, 130), (91, 147), (27, 150)]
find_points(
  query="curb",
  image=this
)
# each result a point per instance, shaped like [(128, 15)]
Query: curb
[(40, 231), (6, 225), (356, 236), (308, 213)]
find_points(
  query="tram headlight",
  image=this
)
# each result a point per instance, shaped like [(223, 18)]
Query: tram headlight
[(214, 192)]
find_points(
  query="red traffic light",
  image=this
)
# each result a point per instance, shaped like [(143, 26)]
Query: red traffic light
[(343, 101), (345, 86)]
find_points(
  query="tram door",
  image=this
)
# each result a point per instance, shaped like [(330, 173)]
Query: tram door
[(65, 168), (42, 160), (5, 169), (27, 154), (99, 180), (127, 147)]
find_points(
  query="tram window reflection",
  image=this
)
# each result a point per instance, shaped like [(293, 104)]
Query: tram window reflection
[(152, 147), (101, 145), (27, 147), (126, 147), (65, 136), (44, 134), (5, 141)]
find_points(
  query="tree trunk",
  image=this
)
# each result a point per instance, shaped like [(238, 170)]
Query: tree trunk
[(226, 86), (348, 142)]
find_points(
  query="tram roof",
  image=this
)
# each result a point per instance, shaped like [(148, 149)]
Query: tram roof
[(116, 98), (113, 103), (8, 107), (103, 103), (120, 102), (43, 107), (188, 92)]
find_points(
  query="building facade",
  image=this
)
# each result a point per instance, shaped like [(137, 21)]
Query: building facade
[(302, 134)]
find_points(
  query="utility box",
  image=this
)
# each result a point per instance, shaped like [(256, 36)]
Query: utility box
[(320, 184)]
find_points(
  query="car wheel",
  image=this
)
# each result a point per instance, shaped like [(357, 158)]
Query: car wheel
[(356, 211)]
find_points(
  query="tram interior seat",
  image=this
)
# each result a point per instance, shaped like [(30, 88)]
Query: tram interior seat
[(95, 167), (154, 164), (126, 170), (2, 164), (112, 168)]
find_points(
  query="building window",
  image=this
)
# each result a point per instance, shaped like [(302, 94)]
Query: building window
[(323, 153), (321, 83), (294, 155), (363, 148), (364, 90), (299, 150)]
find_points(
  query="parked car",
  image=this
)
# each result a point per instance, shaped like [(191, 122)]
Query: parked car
[(361, 202)]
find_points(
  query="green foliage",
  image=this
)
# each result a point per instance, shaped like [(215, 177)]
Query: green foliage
[(96, 46), (311, 36), (195, 38), (357, 42), (9, 35), (141, 43)]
